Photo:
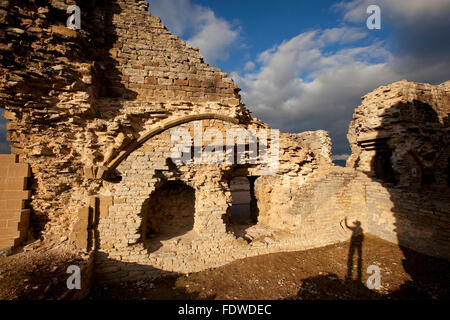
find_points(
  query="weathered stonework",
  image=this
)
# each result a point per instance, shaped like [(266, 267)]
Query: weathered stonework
[(94, 111), (77, 98), (400, 139), (14, 216)]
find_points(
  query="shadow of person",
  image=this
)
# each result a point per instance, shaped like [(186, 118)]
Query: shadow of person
[(406, 155), (356, 241)]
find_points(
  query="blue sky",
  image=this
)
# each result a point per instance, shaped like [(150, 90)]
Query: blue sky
[(304, 65), (263, 24)]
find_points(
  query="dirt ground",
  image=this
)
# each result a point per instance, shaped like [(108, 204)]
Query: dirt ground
[(35, 275), (311, 274)]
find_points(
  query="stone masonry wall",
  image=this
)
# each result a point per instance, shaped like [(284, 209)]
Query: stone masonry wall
[(94, 111), (413, 220), (14, 217), (125, 253), (75, 99), (400, 138)]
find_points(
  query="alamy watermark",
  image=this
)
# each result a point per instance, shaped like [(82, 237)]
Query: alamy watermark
[(374, 281), (74, 20), (374, 20), (239, 146), (74, 281)]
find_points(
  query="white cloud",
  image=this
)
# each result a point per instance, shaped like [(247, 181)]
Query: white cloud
[(340, 157), (305, 83), (419, 38), (199, 26), (302, 85), (400, 10), (249, 66)]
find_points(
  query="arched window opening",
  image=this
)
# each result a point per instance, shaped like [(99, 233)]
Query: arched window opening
[(168, 213)]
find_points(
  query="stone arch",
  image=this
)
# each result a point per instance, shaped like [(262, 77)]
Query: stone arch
[(165, 125)]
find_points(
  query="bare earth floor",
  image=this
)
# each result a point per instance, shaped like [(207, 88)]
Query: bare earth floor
[(311, 274), (35, 275)]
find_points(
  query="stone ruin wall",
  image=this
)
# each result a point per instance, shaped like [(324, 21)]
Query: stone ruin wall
[(400, 138), (91, 111), (14, 193), (281, 225), (77, 98)]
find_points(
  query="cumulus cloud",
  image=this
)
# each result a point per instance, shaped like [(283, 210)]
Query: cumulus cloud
[(304, 85), (410, 11), (315, 79), (199, 26), (419, 38), (249, 66), (340, 157)]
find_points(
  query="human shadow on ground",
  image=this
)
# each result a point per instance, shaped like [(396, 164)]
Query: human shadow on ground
[(410, 158), (356, 242)]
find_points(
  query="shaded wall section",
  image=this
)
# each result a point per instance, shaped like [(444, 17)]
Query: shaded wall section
[(400, 139)]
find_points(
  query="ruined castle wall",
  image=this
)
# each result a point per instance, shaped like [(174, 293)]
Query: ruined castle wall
[(300, 156), (325, 201), (14, 216), (400, 138), (94, 111), (405, 117), (81, 104), (124, 252), (76, 98), (411, 219), (46, 89)]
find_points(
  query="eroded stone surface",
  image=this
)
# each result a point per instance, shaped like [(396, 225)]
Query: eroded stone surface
[(92, 112), (400, 138)]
